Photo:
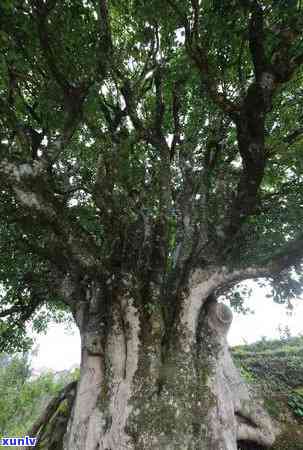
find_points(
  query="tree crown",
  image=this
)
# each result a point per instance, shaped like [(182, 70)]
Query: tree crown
[(147, 138)]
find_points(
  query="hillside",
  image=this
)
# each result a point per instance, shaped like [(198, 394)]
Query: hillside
[(274, 369)]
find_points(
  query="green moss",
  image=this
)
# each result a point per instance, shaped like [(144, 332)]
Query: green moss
[(173, 410), (64, 408)]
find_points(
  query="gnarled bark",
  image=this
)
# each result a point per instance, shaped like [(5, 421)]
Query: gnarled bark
[(145, 387), (50, 427)]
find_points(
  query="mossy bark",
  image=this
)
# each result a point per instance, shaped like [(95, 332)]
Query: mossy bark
[(139, 391)]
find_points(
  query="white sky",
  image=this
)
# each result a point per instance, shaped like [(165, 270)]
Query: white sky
[(60, 350)]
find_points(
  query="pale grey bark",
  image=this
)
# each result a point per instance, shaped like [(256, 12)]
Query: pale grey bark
[(236, 414), (127, 399)]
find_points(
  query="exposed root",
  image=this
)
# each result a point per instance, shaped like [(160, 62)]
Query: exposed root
[(260, 435), (51, 425), (254, 425)]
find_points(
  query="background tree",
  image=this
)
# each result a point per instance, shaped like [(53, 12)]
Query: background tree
[(150, 161), (24, 396)]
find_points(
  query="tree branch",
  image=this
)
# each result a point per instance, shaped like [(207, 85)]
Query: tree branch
[(160, 106), (289, 255), (176, 106), (106, 48), (29, 182), (256, 40), (199, 55), (42, 12), (220, 279)]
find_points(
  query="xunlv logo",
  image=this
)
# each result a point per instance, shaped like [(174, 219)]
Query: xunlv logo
[(18, 442)]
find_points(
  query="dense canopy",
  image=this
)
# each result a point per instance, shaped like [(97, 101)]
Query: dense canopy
[(147, 138)]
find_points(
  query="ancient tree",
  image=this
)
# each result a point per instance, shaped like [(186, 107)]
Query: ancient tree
[(150, 161)]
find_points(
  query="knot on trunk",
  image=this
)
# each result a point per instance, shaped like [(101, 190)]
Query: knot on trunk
[(220, 317), (92, 343)]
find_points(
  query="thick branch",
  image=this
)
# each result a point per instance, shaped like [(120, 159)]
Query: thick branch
[(221, 279), (256, 40), (160, 106), (154, 136), (105, 26), (42, 12), (288, 256), (30, 185), (199, 56)]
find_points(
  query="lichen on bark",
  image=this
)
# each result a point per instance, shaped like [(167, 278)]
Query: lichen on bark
[(145, 399)]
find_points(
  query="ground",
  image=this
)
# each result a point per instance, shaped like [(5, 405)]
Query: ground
[(275, 370)]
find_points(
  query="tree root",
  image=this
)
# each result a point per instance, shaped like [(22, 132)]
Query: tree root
[(50, 427)]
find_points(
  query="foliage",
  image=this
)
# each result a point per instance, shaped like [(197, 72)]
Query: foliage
[(274, 370), (278, 363), (22, 396), (295, 401), (274, 367), (141, 141)]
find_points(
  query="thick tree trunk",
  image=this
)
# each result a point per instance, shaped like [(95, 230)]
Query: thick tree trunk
[(144, 387)]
